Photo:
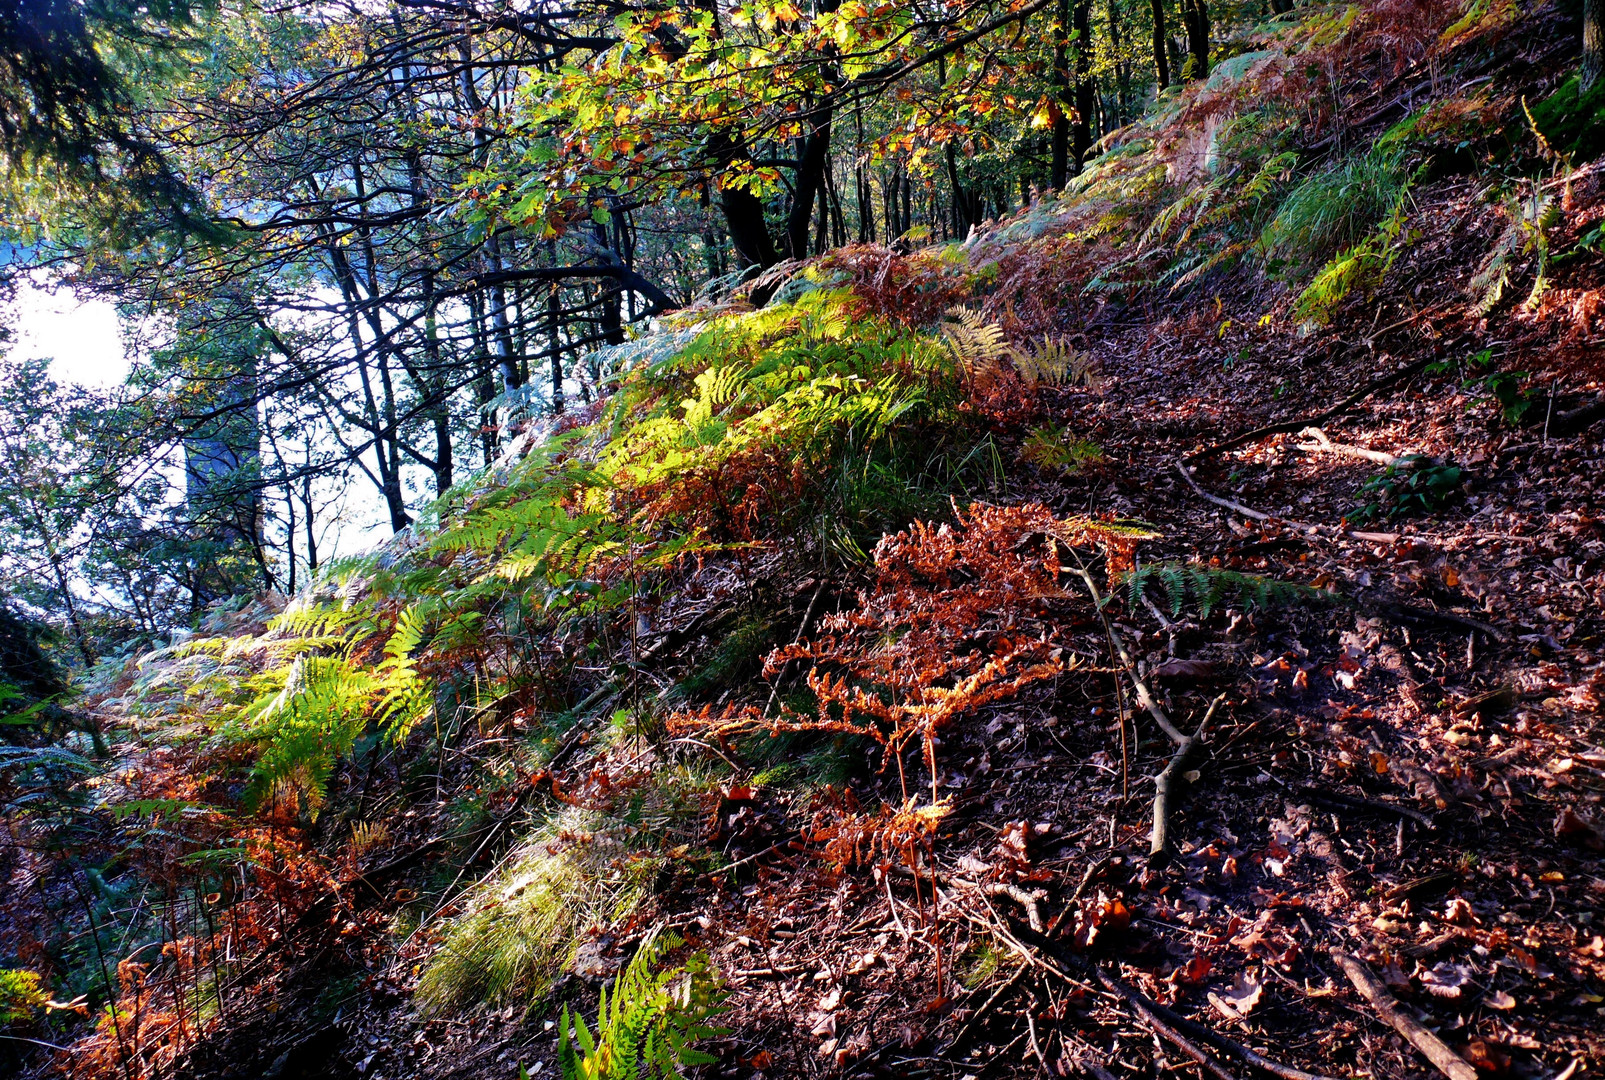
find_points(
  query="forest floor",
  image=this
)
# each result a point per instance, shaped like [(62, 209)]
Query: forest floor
[(1410, 774), (1394, 813)]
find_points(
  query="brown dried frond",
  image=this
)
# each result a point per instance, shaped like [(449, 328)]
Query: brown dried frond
[(959, 616), (853, 838), (913, 289)]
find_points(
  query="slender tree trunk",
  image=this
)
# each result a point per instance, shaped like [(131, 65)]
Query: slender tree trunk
[(484, 384), (811, 164), (1161, 59), (1060, 168), (289, 536), (1086, 86), (433, 383), (307, 516), (1593, 44), (1195, 14), (1122, 72), (554, 320)]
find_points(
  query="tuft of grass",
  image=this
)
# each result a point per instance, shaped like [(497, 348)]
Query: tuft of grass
[(524, 925), (979, 963), (1334, 210), (737, 658)]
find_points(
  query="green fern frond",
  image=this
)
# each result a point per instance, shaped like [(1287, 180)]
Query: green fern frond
[(648, 1025), (1207, 587)]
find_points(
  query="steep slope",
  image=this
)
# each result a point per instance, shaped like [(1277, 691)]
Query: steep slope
[(853, 637)]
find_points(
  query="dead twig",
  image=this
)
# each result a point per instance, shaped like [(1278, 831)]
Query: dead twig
[(1449, 618), (1159, 842), (1148, 1011), (1433, 1048)]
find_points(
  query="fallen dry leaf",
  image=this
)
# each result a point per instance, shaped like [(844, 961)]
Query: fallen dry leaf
[(1460, 913), (1244, 994), (1239, 1001), (1177, 668), (1570, 825), (1192, 973)]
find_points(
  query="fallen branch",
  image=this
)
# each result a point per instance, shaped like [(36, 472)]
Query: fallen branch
[(1433, 1048), (1380, 457), (1353, 802), (1428, 615), (1310, 421), (1229, 504), (1400, 611), (1144, 695), (1578, 420), (1027, 900), (1260, 515), (1159, 842)]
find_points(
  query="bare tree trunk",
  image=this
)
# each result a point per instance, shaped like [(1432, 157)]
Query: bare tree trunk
[(1086, 86), (1593, 44), (1195, 14), (1161, 60), (553, 315), (1059, 173)]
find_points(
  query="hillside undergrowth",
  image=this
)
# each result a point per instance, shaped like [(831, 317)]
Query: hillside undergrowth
[(852, 633)]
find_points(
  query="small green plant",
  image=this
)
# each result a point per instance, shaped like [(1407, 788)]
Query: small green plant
[(647, 1026), (1505, 388), (1416, 485), (20, 995), (1208, 587), (1051, 448)]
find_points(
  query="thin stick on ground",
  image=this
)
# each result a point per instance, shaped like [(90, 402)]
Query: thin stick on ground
[(1432, 1048), (1260, 515), (1159, 842), (1144, 695)]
